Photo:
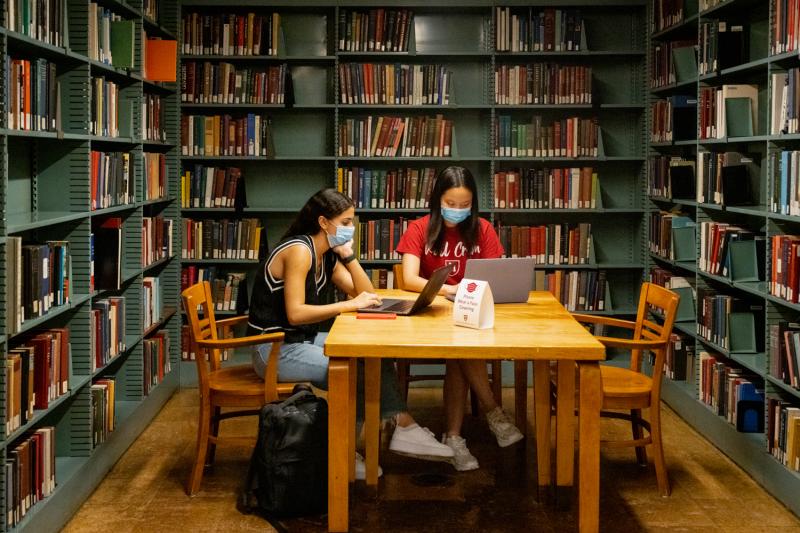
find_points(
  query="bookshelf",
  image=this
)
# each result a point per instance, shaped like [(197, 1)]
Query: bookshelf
[(45, 194), (754, 65)]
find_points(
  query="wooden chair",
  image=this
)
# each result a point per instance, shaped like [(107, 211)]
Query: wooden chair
[(405, 377), (629, 388), (236, 387)]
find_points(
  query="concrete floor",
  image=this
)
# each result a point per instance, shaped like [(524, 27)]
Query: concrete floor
[(145, 489)]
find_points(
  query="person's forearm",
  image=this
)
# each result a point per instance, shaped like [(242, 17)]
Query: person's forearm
[(361, 282), (311, 314), (414, 283)]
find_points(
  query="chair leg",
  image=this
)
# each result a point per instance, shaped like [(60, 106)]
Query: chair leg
[(214, 431), (402, 378), (658, 450), (203, 427), (641, 451)]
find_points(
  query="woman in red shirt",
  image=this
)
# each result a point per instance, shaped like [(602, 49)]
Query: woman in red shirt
[(452, 233)]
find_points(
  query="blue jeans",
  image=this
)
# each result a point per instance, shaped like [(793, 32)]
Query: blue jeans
[(304, 361)]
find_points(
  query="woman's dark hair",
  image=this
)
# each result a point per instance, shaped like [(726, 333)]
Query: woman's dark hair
[(328, 203), (450, 178)]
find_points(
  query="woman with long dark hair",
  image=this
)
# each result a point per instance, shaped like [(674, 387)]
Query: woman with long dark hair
[(450, 234), (315, 251)]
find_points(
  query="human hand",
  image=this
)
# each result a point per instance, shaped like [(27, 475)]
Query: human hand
[(344, 250), (365, 299), (448, 290)]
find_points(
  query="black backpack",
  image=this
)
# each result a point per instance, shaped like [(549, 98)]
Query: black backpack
[(288, 474)]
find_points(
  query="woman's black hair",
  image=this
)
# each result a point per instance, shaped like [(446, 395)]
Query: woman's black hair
[(328, 203), (450, 178)]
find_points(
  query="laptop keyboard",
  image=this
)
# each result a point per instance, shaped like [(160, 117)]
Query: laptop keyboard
[(400, 307)]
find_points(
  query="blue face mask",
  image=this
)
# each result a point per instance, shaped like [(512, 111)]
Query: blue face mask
[(343, 235), (456, 216)]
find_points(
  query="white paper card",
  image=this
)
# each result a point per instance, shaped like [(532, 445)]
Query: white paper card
[(474, 305)]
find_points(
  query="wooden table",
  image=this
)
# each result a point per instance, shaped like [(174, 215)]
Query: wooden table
[(540, 330)]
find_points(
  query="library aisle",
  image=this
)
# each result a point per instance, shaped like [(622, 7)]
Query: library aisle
[(144, 491)]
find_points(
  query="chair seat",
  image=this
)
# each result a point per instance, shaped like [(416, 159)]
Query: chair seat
[(624, 383), (241, 380)]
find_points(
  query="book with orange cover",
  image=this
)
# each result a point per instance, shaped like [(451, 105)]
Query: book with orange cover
[(161, 60)]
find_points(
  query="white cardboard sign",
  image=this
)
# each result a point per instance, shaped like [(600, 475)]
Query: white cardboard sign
[(474, 305)]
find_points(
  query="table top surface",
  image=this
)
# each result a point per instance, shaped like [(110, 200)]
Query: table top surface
[(538, 329)]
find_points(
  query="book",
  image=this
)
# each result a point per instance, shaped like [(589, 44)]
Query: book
[(108, 257), (376, 30), (227, 83), (122, 40), (553, 244), (542, 83), (226, 135), (111, 179), (221, 239), (398, 84), (161, 57), (533, 30), (576, 290), (30, 473), (156, 239), (231, 34), (31, 89), (739, 117)]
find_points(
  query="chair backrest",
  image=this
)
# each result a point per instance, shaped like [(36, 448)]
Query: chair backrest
[(397, 270), (196, 299), (665, 302)]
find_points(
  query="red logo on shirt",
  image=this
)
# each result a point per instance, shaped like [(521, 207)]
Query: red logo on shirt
[(471, 287)]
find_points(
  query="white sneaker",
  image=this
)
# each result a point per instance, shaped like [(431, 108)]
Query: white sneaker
[(504, 430), (419, 442), (462, 459), (361, 468)]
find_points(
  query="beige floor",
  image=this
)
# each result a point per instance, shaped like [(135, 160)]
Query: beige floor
[(144, 491)]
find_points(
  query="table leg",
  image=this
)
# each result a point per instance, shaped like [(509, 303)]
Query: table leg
[(541, 406), (351, 422), (591, 399), (521, 395), (372, 414), (565, 424), (340, 433)]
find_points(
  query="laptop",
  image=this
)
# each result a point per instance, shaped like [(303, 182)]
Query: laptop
[(403, 307), (510, 278)]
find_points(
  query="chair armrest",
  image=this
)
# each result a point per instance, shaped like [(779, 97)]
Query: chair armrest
[(642, 344), (222, 344), (605, 320), (228, 322)]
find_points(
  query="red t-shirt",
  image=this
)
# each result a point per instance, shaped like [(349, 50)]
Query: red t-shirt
[(454, 251)]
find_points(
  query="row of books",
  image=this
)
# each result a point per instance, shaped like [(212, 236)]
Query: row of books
[(231, 34), (38, 279), (715, 245), (32, 95), (224, 83), (225, 286), (210, 186), (36, 373), (674, 119), (785, 24), (225, 135), (728, 111), (150, 9), (666, 13), (400, 188), (662, 239), (221, 239), (110, 37), (547, 30), (104, 419), (153, 121), (30, 473), (43, 20), (722, 45), (783, 432), (785, 267), (724, 178), (732, 392), (785, 179), (189, 348), (373, 83), (542, 83), (381, 278), (156, 239), (671, 177), (107, 333), (552, 244), (111, 179), (418, 136), (156, 350), (577, 290), (784, 352), (151, 301), (378, 239), (155, 175), (730, 323), (785, 101), (567, 137), (673, 61), (104, 119), (679, 358), (376, 30), (546, 188)]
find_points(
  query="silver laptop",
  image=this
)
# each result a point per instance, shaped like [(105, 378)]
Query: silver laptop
[(511, 278)]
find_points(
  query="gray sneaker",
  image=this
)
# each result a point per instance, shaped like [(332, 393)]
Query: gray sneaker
[(503, 428), (462, 459)]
